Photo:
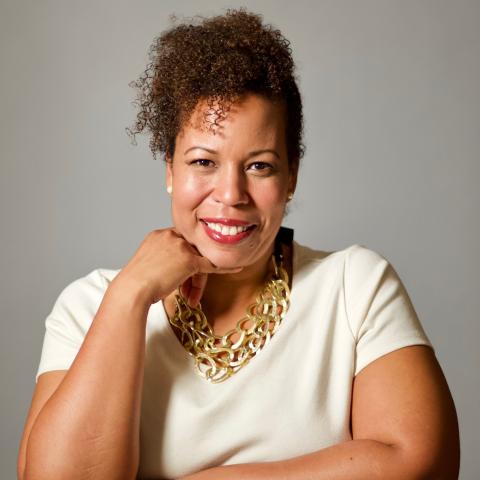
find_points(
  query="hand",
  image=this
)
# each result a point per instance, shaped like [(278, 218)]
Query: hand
[(165, 261)]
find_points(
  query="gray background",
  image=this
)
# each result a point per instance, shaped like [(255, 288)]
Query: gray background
[(391, 95)]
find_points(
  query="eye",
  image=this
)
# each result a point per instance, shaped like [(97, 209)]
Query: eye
[(261, 166), (201, 162)]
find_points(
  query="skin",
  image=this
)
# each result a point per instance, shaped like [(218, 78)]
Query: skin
[(104, 383), (404, 426), (233, 184), (399, 446), (417, 436)]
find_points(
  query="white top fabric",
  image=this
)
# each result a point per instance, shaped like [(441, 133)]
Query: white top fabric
[(348, 308)]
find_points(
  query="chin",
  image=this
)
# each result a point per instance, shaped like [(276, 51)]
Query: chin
[(223, 259), (221, 255)]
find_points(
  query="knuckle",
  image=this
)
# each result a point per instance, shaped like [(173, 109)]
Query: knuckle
[(154, 234), (184, 247)]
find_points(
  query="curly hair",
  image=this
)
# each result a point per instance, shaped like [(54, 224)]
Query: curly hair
[(218, 59)]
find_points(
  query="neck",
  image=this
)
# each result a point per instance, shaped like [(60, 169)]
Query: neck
[(227, 296), (228, 292)]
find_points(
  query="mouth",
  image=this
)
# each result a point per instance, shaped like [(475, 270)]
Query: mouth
[(227, 231)]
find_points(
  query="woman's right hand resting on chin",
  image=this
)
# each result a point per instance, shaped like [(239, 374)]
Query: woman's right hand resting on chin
[(165, 261), (84, 422)]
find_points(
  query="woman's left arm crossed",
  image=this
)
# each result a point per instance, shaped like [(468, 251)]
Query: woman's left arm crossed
[(404, 426)]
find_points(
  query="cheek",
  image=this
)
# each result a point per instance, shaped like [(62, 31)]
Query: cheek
[(270, 195), (189, 192)]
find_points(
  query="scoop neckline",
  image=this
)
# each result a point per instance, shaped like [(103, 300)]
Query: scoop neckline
[(179, 347)]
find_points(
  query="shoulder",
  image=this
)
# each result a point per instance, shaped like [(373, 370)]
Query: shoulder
[(92, 283), (360, 272), (363, 258), (84, 293), (359, 259), (348, 270), (366, 271)]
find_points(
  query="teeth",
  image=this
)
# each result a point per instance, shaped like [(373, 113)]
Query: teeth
[(226, 230)]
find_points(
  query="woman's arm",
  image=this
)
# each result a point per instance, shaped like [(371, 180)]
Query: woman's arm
[(89, 428), (404, 426)]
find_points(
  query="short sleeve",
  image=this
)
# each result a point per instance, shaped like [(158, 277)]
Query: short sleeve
[(67, 324), (380, 312)]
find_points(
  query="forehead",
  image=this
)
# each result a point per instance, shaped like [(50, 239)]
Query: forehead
[(249, 117)]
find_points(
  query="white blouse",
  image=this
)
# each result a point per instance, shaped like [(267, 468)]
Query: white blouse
[(347, 308)]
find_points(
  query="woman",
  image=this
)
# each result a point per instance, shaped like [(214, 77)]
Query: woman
[(324, 370)]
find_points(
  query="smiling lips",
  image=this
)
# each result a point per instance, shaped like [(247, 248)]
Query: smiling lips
[(227, 230)]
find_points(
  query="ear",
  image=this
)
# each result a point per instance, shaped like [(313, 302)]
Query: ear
[(292, 180), (169, 173)]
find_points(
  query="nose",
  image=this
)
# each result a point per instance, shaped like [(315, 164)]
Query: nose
[(231, 186)]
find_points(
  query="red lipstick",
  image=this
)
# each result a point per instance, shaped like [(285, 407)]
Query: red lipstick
[(230, 222), (227, 239)]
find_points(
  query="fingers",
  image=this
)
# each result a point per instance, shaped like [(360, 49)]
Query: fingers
[(197, 286), (205, 266), (176, 232), (185, 288), (192, 288)]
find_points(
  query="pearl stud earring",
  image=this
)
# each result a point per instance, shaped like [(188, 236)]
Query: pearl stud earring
[(169, 189)]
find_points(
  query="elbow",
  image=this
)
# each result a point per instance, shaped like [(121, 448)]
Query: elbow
[(442, 469), (51, 464), (431, 465), (34, 468), (443, 463), (34, 462), (43, 461), (438, 473), (53, 454), (20, 468)]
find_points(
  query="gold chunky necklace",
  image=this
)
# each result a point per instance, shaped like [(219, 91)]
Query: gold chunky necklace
[(219, 357)]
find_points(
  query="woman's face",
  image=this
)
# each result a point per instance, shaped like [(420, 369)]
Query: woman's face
[(239, 175)]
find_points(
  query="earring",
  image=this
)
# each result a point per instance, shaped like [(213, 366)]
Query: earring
[(290, 196), (169, 189)]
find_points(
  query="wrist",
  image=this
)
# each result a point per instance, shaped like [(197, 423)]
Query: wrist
[(130, 291)]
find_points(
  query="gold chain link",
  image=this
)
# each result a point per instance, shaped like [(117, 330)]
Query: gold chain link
[(219, 357)]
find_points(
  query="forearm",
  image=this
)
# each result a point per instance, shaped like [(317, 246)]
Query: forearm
[(89, 428), (352, 460)]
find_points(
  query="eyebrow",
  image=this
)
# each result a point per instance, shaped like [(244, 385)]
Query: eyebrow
[(251, 154)]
